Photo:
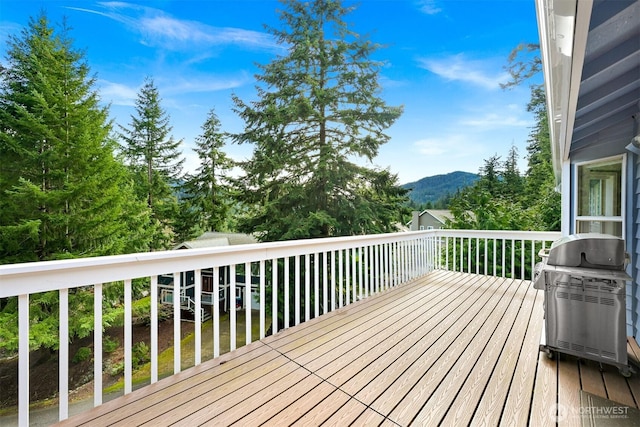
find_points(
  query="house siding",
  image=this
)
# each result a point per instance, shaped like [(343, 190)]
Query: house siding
[(633, 294)]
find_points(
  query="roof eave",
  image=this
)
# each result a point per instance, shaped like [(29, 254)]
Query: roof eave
[(563, 27)]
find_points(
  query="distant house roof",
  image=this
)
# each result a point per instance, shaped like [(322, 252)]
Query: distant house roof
[(212, 239), (430, 218), (440, 214)]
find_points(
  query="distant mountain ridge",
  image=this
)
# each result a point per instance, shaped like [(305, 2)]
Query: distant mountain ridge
[(432, 188)]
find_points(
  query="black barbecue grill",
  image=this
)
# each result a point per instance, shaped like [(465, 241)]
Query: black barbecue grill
[(584, 280)]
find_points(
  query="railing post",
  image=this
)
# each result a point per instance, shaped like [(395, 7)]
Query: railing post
[(63, 355), (354, 275), (296, 290), (247, 302), (287, 282), (274, 295), (216, 311), (333, 280), (307, 287), (128, 337), (469, 255), (347, 274), (263, 279), (361, 272), (154, 329), (197, 285), (23, 360), (232, 307), (325, 282), (316, 284), (97, 341), (377, 269), (340, 278)]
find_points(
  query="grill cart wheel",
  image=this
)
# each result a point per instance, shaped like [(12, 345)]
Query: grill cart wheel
[(625, 372)]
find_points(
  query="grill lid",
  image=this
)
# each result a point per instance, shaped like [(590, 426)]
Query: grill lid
[(588, 250)]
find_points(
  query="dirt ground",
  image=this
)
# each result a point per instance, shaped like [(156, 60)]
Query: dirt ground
[(43, 383)]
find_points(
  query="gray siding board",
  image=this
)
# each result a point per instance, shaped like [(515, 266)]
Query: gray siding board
[(633, 295)]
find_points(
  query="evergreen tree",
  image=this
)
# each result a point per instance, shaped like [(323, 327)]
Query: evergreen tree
[(317, 114), (64, 194), (540, 189), (512, 181), (154, 158), (490, 176), (207, 193)]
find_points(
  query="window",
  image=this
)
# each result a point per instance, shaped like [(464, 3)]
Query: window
[(599, 204)]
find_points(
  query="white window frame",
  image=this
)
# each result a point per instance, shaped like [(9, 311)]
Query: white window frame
[(576, 193)]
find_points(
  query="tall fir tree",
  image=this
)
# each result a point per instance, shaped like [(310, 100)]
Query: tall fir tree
[(318, 117), (64, 194), (207, 190), (511, 177), (540, 189), (156, 162)]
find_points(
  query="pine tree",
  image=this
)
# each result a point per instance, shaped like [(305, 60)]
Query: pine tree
[(512, 181), (540, 191), (155, 160), (63, 191), (207, 193), (318, 116), (490, 176)]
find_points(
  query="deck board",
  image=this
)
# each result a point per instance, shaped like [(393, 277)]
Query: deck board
[(472, 360), (617, 387), (448, 348), (511, 384), (317, 414), (497, 364), (388, 388), (545, 393), (569, 394), (436, 365), (591, 378)]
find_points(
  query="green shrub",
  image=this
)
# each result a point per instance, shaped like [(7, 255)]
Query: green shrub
[(83, 353), (109, 345), (141, 354)]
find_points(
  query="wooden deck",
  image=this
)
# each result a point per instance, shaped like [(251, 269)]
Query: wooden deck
[(449, 348)]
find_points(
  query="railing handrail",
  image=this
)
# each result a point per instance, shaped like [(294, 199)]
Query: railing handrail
[(70, 273), (500, 234)]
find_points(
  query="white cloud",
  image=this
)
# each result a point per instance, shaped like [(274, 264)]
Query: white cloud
[(429, 7), (196, 84), (451, 146), (121, 94), (495, 121), (459, 68), (160, 29), (116, 93)]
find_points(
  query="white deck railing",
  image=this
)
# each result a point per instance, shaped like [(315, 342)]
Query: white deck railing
[(321, 275)]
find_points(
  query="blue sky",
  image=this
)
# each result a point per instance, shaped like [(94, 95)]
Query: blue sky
[(443, 59)]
